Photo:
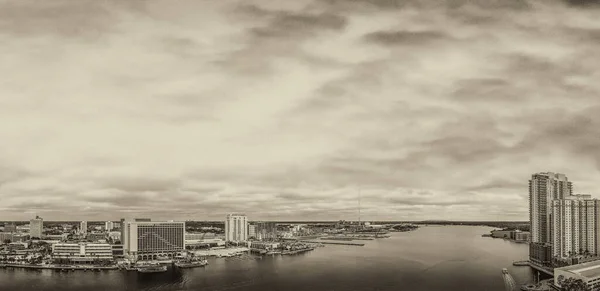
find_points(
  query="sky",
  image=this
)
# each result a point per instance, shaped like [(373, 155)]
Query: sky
[(292, 110)]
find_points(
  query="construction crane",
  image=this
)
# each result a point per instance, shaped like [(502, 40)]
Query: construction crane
[(509, 281)]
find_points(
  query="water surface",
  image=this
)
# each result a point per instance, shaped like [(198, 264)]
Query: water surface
[(428, 259)]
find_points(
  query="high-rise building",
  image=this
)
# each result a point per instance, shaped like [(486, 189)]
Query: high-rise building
[(236, 228), (543, 188), (109, 225), (251, 231), (36, 227), (122, 239), (575, 226), (266, 230), (83, 227), (150, 240)]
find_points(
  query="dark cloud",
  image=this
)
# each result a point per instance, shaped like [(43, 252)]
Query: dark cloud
[(404, 37), (84, 18), (582, 2), (133, 184), (287, 25)]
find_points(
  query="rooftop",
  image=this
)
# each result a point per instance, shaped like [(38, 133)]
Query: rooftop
[(589, 270)]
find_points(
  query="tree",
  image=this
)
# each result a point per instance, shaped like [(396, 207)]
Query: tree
[(572, 284)]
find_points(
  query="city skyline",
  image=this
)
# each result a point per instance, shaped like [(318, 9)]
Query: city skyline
[(283, 110)]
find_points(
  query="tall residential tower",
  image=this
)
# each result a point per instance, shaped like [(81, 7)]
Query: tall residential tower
[(543, 188), (236, 228)]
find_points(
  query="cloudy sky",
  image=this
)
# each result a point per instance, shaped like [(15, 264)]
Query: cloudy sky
[(289, 109)]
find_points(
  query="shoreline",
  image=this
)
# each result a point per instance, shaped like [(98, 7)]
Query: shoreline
[(58, 267)]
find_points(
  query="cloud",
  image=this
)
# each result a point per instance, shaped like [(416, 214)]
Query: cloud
[(287, 110), (403, 37)]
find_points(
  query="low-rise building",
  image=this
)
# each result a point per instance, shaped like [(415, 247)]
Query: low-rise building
[(501, 233), (94, 236), (589, 273), (263, 245), (6, 236), (82, 253)]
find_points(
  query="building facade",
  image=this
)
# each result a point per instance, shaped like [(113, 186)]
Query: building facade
[(266, 231), (109, 225), (575, 226), (82, 253), (589, 273), (251, 231), (236, 228), (83, 227), (543, 188), (36, 227), (151, 240), (10, 227)]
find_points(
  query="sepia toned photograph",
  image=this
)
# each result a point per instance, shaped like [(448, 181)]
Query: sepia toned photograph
[(299, 145)]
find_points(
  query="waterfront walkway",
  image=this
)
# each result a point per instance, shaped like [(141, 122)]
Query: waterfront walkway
[(61, 267)]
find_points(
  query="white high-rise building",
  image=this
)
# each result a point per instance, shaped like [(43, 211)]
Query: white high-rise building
[(575, 226), (236, 228), (151, 240), (36, 227), (109, 225), (83, 227), (543, 188)]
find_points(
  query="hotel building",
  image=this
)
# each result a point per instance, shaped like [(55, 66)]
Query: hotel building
[(236, 228), (543, 188), (36, 227), (151, 240)]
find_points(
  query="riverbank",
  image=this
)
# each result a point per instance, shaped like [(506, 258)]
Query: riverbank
[(61, 267)]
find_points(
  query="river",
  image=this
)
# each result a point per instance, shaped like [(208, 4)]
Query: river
[(428, 259)]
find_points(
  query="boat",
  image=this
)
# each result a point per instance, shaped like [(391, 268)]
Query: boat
[(521, 263), (152, 268), (191, 264)]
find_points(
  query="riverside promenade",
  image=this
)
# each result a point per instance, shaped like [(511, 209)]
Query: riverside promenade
[(61, 267)]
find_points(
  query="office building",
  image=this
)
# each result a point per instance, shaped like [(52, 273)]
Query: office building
[(83, 227), (575, 226), (151, 240), (266, 231), (236, 228), (109, 225), (543, 188), (82, 253), (36, 227)]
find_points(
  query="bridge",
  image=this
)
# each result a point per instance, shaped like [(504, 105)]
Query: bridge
[(509, 281)]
